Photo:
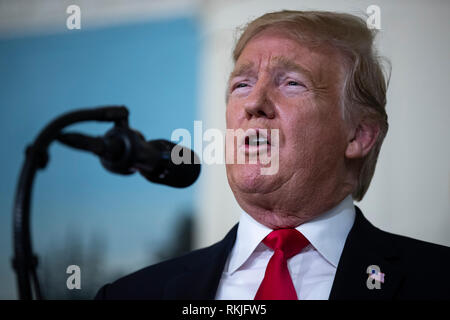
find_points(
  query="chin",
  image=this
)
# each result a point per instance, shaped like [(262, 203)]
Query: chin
[(274, 221), (248, 179)]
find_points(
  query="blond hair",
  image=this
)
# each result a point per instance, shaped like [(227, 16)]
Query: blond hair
[(364, 90)]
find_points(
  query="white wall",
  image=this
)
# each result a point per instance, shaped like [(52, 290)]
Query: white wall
[(409, 194)]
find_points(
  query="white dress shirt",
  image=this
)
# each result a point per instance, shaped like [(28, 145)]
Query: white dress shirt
[(312, 270)]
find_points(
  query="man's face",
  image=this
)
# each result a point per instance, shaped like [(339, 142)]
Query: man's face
[(278, 83)]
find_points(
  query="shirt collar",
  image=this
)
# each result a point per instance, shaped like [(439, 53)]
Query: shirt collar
[(326, 233)]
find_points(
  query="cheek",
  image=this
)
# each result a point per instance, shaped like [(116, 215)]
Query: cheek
[(228, 119), (231, 116), (311, 137), (300, 122)]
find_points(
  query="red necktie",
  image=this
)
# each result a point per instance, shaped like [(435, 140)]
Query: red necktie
[(277, 283)]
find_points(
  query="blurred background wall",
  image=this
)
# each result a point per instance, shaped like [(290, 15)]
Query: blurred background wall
[(168, 61)]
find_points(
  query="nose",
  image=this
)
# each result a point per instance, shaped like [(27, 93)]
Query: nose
[(259, 104)]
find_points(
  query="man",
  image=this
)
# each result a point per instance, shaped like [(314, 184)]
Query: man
[(315, 78)]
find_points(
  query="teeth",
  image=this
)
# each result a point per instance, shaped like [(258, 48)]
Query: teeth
[(254, 141)]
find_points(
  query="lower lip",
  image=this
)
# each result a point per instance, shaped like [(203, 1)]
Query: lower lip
[(252, 149)]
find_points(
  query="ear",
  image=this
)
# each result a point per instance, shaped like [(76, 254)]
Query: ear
[(362, 139)]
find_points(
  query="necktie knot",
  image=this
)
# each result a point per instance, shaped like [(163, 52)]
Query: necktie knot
[(277, 283), (289, 241)]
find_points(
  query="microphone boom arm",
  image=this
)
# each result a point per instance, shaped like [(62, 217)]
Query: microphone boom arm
[(24, 261)]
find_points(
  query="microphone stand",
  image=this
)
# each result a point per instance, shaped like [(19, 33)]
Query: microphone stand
[(24, 261)]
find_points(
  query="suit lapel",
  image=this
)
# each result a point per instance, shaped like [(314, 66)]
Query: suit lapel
[(366, 245), (201, 277)]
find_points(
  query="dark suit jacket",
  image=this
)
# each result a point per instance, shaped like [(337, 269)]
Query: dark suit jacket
[(413, 270)]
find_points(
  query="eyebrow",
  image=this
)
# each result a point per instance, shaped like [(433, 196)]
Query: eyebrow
[(282, 63), (242, 69), (289, 65)]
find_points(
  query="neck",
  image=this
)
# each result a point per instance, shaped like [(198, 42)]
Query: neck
[(279, 209)]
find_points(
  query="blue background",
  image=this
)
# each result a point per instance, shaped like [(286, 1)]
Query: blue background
[(149, 67)]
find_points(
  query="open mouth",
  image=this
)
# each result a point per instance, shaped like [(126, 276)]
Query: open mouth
[(256, 140)]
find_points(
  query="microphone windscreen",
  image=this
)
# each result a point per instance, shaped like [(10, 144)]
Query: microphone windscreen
[(167, 172)]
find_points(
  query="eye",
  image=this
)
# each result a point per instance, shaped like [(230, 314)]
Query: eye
[(294, 83), (241, 85), (238, 86)]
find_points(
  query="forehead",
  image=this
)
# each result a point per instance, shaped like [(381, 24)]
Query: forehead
[(275, 48)]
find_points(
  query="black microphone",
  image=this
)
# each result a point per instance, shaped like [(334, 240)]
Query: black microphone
[(124, 151)]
